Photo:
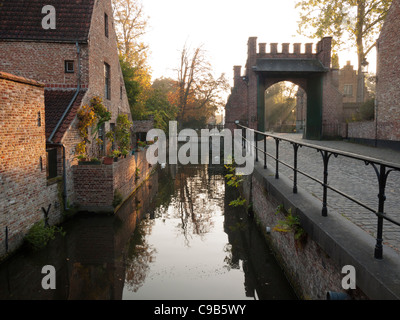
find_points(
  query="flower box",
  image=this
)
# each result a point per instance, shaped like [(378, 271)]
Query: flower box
[(108, 160), (91, 162)]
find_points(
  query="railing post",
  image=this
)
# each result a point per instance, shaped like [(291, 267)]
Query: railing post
[(244, 138), (255, 145), (265, 152), (277, 159), (295, 149), (382, 176), (325, 156), (6, 239)]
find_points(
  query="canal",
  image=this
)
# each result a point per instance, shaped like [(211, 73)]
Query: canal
[(176, 238)]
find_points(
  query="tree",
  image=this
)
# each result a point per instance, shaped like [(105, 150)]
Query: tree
[(130, 27), (198, 93), (159, 103), (357, 22), (132, 87)]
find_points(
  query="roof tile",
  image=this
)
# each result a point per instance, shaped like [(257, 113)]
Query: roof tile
[(22, 20), (56, 102)]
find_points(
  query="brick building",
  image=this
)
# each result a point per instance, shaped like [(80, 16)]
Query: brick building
[(309, 69), (23, 180), (75, 61), (348, 84), (387, 112), (348, 80)]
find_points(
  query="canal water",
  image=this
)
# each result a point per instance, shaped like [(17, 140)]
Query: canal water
[(176, 238)]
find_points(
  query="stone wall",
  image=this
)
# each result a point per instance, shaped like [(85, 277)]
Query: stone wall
[(309, 269), (23, 180), (312, 263)]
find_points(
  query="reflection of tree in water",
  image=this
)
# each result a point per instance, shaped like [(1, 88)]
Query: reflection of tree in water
[(140, 255), (198, 200)]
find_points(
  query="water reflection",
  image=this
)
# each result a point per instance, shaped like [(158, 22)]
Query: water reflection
[(176, 238)]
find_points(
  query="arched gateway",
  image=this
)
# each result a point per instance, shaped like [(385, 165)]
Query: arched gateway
[(309, 70)]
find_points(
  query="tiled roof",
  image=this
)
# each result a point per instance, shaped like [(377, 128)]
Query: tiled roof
[(56, 102), (22, 20)]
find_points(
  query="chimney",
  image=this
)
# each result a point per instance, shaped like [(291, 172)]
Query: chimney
[(237, 71)]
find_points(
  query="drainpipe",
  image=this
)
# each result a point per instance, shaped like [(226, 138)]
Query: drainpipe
[(50, 139)]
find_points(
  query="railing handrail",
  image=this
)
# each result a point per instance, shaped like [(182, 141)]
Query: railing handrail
[(388, 164), (385, 167)]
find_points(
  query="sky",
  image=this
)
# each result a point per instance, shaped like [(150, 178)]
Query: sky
[(222, 27)]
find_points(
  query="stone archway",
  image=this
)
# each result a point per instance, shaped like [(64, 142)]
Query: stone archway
[(309, 70), (285, 107)]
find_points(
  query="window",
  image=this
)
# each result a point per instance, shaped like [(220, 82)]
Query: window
[(101, 137), (120, 93), (348, 90), (51, 163), (107, 79), (69, 66), (106, 24), (39, 119)]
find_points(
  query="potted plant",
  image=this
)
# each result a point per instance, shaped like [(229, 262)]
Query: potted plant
[(81, 158), (124, 152), (90, 161), (108, 160), (116, 154), (141, 144)]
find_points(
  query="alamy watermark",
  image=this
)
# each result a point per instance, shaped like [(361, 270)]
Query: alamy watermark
[(49, 280), (49, 21), (349, 280), (189, 152)]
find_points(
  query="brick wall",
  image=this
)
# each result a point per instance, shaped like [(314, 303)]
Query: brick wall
[(332, 111), (236, 107), (94, 185), (361, 130), (310, 270), (23, 178), (388, 77), (44, 62), (143, 125)]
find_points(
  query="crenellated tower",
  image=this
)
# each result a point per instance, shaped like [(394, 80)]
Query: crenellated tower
[(306, 65)]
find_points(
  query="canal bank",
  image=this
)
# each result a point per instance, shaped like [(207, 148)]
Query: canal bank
[(175, 238), (314, 261)]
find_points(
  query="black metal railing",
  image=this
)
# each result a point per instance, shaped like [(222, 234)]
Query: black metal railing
[(381, 168)]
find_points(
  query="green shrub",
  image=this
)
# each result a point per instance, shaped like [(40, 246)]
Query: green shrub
[(367, 110), (39, 235), (117, 199)]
